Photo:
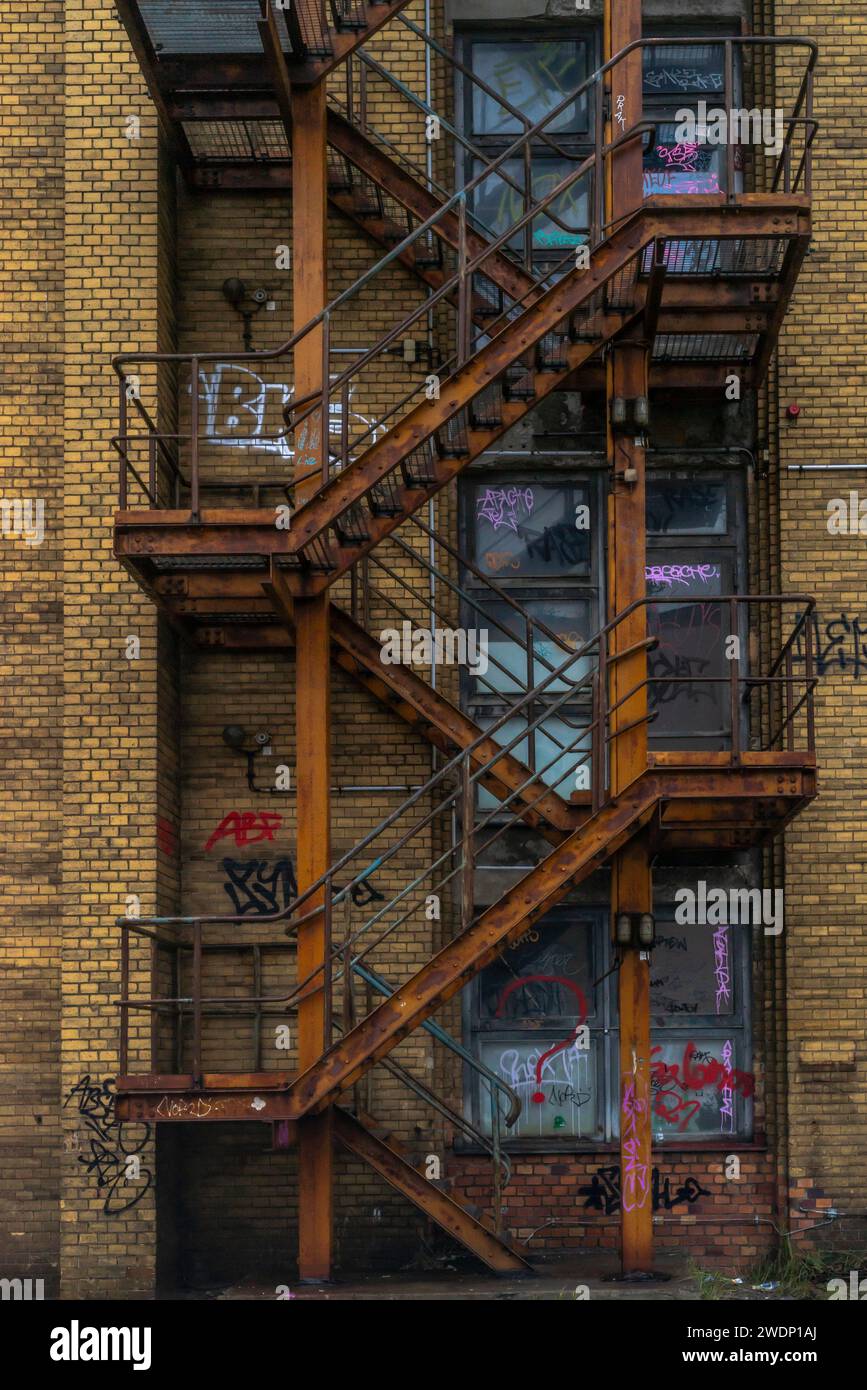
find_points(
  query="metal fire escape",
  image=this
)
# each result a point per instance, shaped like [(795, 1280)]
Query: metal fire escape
[(677, 291)]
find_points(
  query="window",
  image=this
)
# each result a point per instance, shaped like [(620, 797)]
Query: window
[(694, 551), (531, 1000), (524, 528), (533, 76), (524, 1011), (537, 542), (701, 1081), (676, 78)]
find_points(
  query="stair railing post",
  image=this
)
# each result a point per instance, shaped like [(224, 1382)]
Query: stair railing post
[(528, 226), (790, 699), (152, 465), (124, 995), (808, 676), (497, 1173), (595, 741), (325, 397), (598, 164), (734, 683), (604, 716), (464, 315), (328, 967), (197, 1005), (362, 96), (467, 850), (122, 456), (194, 438), (730, 98)]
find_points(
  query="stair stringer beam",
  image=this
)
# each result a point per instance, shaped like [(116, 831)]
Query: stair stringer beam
[(438, 1205), (584, 851)]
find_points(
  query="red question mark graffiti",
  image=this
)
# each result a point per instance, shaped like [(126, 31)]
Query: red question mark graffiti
[(539, 1096)]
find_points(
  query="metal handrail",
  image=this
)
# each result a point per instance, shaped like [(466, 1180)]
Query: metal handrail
[(601, 734), (458, 202), (453, 765)]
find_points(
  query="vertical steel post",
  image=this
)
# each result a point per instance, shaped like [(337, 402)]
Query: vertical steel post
[(312, 672), (626, 376)]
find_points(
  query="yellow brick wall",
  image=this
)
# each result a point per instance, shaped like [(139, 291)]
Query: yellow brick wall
[(31, 404), (140, 765), (110, 748), (821, 366)]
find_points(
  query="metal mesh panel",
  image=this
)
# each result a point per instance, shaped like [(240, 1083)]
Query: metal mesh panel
[(705, 347), (206, 26), (721, 256), (313, 25), (207, 562), (237, 140)]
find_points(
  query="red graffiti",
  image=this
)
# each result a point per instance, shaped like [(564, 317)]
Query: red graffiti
[(539, 1096), (166, 837), (246, 828), (668, 1080)]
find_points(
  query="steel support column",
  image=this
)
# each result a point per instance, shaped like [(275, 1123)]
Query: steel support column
[(631, 891), (312, 680)]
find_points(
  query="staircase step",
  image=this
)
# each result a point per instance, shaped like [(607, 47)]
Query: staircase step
[(551, 353), (486, 410), (439, 1206), (518, 384), (350, 526), (385, 497)]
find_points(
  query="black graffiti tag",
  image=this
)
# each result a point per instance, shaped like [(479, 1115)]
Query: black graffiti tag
[(112, 1145), (257, 888), (603, 1191)]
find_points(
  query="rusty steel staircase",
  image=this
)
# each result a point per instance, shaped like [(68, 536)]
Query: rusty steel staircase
[(223, 48), (704, 279), (746, 794), (702, 283)]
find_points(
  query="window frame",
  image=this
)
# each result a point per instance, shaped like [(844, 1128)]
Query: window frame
[(578, 144), (604, 1022)]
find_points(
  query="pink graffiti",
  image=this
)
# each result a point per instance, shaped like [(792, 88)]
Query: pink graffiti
[(681, 156), (500, 506), (721, 966), (635, 1188), (680, 574), (727, 1104)]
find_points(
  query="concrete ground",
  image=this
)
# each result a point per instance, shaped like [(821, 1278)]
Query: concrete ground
[(554, 1280)]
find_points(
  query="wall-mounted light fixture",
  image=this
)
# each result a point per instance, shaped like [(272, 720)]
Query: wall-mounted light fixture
[(635, 929), (630, 414), (246, 304), (235, 736)]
